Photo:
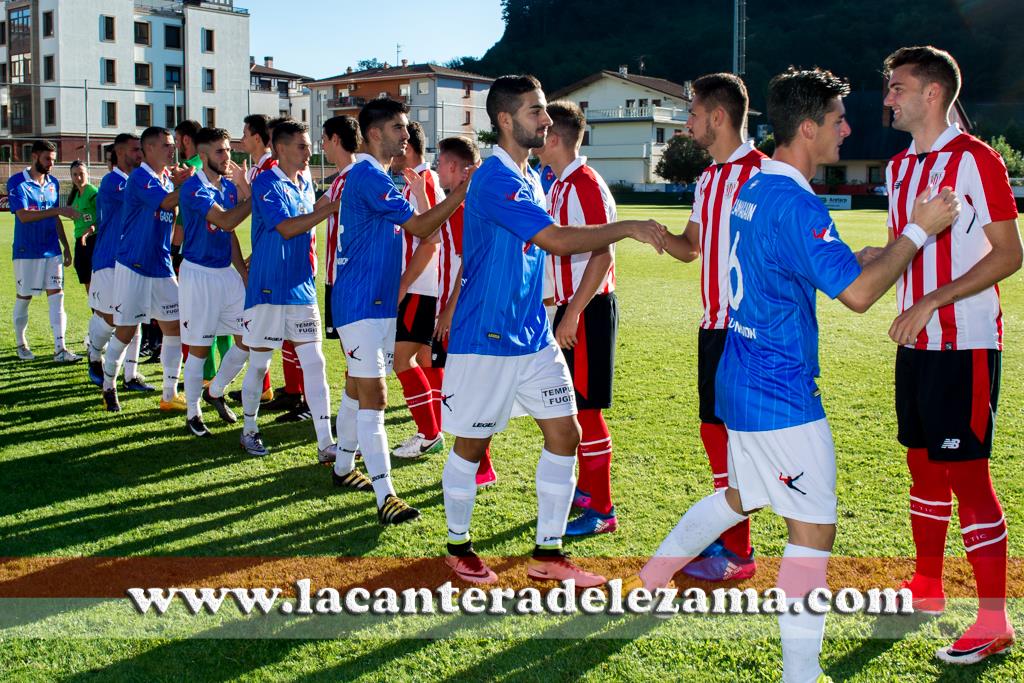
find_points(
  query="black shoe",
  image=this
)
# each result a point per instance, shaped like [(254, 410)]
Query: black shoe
[(110, 401), (281, 402), (296, 414), (196, 427), (154, 357), (353, 480), (235, 395), (220, 406), (396, 511)]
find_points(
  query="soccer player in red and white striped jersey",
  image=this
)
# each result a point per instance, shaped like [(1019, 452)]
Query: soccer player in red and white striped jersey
[(717, 122), (586, 314), (950, 336)]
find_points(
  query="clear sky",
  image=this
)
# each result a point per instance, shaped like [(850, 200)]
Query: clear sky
[(319, 38)]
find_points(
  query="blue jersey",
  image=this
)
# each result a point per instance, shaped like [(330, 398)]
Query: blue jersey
[(205, 244), (501, 308), (109, 203), (146, 237), (369, 260), (547, 177), (37, 239), (784, 247), (281, 271)]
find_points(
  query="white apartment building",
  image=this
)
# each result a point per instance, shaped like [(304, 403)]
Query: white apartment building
[(275, 92), (78, 72)]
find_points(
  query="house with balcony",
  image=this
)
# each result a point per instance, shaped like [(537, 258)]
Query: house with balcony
[(275, 92), (630, 119)]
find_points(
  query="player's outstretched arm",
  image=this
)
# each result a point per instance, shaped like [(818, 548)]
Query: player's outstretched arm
[(565, 240), (32, 215), (685, 247), (233, 217), (931, 217), (291, 227), (425, 224)]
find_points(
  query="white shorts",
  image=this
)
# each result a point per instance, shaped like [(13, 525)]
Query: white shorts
[(101, 291), (369, 346), (33, 276), (480, 393), (212, 301), (138, 298), (792, 470), (267, 326)]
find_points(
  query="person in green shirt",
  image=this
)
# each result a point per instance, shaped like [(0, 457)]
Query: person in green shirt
[(83, 199)]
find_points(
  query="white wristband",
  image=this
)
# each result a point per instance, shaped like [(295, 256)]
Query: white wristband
[(915, 233)]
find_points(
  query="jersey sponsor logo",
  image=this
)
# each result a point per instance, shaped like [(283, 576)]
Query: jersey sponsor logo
[(185, 323), (557, 396), (744, 209), (117, 308), (151, 184), (790, 482), (825, 234), (266, 196), (742, 330), (951, 444), (493, 335), (934, 178)]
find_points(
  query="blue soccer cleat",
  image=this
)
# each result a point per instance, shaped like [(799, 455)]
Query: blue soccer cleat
[(590, 523), (718, 563)]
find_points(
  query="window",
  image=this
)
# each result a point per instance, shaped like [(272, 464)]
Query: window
[(209, 117), (875, 175), (5, 117), (586, 138), (208, 80), (106, 27), (469, 118), (584, 104), (5, 153), (643, 102), (3, 72), (630, 104), (423, 115), (282, 88), (110, 113), (835, 175), (108, 71), (26, 152), (48, 68), (3, 37), (49, 112), (303, 116), (142, 35), (207, 37), (467, 87), (403, 91), (423, 87), (173, 120), (656, 103), (143, 74), (172, 37), (659, 135), (47, 24), (143, 115), (172, 77)]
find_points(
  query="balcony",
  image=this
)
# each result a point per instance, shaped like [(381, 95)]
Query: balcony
[(649, 113), (346, 102)]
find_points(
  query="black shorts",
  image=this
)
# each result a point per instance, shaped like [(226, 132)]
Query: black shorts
[(416, 316), (438, 353), (329, 331), (83, 258), (710, 345), (946, 401), (592, 361)]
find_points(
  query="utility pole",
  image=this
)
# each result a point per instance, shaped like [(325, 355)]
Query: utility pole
[(739, 37), (85, 96)]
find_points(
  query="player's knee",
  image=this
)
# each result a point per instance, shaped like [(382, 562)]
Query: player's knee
[(808, 535)]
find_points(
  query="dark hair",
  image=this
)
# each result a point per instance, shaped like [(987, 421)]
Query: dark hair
[(568, 121), (188, 128), (207, 135), (110, 153), (797, 95), (461, 147), (726, 91), (417, 140), (931, 65), (346, 128), (43, 146), (275, 122), (258, 126), (285, 130), (73, 193), (152, 133), (123, 138), (506, 95), (377, 112)]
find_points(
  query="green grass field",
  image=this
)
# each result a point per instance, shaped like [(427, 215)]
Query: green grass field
[(76, 481)]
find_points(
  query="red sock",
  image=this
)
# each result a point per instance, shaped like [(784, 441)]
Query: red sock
[(716, 444), (417, 396), (184, 352), (595, 460), (931, 503), (485, 466), (984, 531), (266, 382), (292, 369), (435, 376)]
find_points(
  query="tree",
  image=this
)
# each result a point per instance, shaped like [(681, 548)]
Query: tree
[(487, 137), (1013, 158), (767, 145), (374, 63), (682, 160)]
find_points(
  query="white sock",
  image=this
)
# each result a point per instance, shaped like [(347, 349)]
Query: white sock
[(318, 394), (703, 522), (112, 362), (252, 387), (131, 357), (556, 481), (21, 320), (801, 571), (348, 435), (99, 335), (58, 320), (170, 356), (458, 481), (374, 442), (230, 365), (193, 384)]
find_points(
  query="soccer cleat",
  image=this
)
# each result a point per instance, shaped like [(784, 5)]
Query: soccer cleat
[(353, 480), (488, 478), (581, 499), (975, 645), (25, 353), (221, 406), (325, 456), (176, 404), (297, 414), (418, 446), (468, 566), (236, 396), (281, 402), (591, 522), (931, 605), (396, 511), (66, 356), (721, 564), (196, 427), (252, 443), (110, 401), (96, 372), (137, 383), (555, 566)]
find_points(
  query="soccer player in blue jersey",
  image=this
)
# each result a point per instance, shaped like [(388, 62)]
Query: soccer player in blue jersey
[(365, 294), (211, 292), (785, 247), (280, 295), (38, 240), (501, 350)]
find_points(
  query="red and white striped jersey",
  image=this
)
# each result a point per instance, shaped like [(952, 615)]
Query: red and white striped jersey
[(333, 234), (978, 175), (265, 163), (426, 283), (579, 197), (449, 258), (717, 189)]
